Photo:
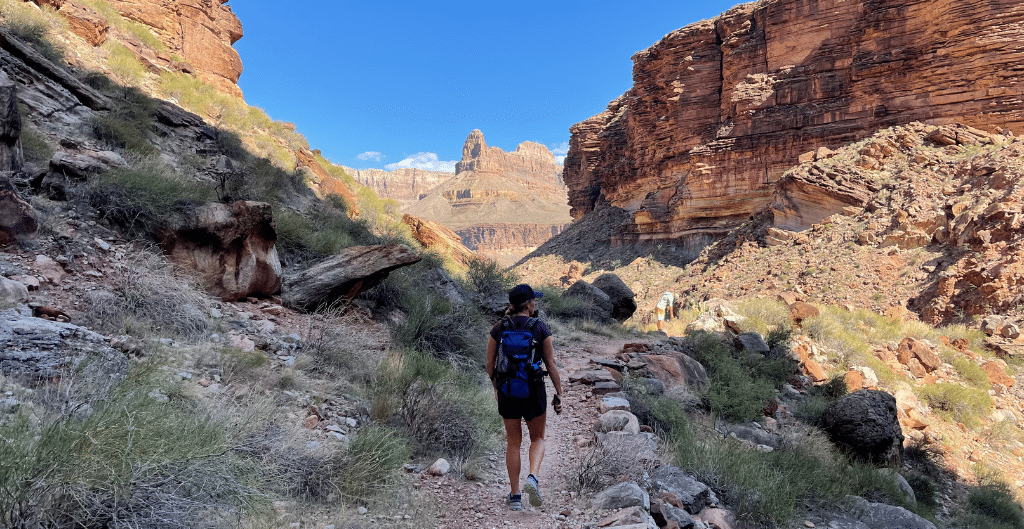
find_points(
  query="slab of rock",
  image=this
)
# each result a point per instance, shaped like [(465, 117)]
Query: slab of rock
[(910, 348), (866, 424), (664, 512), (622, 495), (751, 341), (591, 376), (692, 494), (641, 447), (604, 388), (882, 516), (609, 403), (628, 517), (997, 375), (674, 369), (345, 275), (13, 292)]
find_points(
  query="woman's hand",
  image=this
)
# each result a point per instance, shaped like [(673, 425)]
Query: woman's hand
[(556, 403)]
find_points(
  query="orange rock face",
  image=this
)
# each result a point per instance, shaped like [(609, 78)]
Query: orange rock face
[(200, 31), (721, 108), (433, 235)]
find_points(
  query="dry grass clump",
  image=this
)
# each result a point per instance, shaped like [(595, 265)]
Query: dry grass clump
[(149, 299), (345, 348), (134, 460)]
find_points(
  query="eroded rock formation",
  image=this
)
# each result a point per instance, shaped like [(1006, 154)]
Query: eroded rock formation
[(404, 186), (503, 204), (721, 108), (199, 31), (433, 235)]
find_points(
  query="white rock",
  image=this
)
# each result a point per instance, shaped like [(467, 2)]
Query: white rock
[(439, 468)]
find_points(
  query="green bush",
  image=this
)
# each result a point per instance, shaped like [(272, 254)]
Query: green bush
[(972, 373), (128, 123), (34, 146), (956, 402), (435, 325), (739, 385), (322, 230), (123, 64), (990, 506), (140, 196), (489, 278), (126, 457)]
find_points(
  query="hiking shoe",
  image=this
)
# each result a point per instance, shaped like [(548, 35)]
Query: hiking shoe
[(515, 502), (533, 490)]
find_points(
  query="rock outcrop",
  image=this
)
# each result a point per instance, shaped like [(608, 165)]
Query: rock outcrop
[(404, 186), (201, 32), (230, 246), (17, 218), (325, 182), (721, 108), (435, 236), (502, 204), (865, 423)]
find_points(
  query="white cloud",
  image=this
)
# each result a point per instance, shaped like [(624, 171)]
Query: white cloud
[(371, 155), (560, 151), (423, 160)]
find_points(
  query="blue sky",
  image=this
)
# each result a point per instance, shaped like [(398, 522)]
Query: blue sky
[(401, 84)]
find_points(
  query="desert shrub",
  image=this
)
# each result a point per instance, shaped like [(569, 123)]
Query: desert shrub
[(324, 229), (339, 347), (990, 506), (440, 409), (34, 146), (239, 365), (132, 460), (926, 491), (763, 316), (956, 402), (435, 325), (813, 406), (488, 277), (138, 197), (370, 464), (149, 299), (664, 415), (125, 67), (34, 26), (604, 464), (739, 385), (773, 489), (972, 373), (557, 305), (127, 124)]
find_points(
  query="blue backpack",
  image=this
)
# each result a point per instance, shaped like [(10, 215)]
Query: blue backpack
[(516, 363)]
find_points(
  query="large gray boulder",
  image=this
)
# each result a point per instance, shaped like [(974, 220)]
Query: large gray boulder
[(345, 275), (622, 297), (595, 304), (693, 494), (865, 424), (882, 516)]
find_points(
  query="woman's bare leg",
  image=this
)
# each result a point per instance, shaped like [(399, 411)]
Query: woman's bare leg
[(514, 441)]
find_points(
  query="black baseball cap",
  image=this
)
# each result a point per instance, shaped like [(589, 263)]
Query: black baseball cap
[(522, 293)]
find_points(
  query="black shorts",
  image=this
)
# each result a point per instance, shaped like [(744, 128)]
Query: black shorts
[(528, 408)]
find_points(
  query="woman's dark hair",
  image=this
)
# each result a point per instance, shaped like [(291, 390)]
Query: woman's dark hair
[(516, 309)]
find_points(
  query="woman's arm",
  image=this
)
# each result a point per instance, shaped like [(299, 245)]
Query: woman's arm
[(549, 363), (492, 351)]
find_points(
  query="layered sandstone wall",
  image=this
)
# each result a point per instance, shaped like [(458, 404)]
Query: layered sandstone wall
[(721, 108), (201, 32), (402, 185)]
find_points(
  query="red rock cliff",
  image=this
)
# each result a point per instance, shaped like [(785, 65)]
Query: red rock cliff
[(199, 31), (721, 108)]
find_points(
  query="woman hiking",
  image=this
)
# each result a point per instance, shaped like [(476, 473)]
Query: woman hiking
[(518, 346)]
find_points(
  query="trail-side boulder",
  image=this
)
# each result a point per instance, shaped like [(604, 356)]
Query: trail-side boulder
[(18, 219), (622, 495), (674, 369), (618, 421), (882, 516), (85, 22), (751, 341), (12, 292), (865, 423), (629, 518), (595, 304), (230, 247), (692, 494), (345, 275), (622, 298)]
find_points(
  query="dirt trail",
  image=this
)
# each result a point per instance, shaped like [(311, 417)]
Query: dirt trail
[(467, 504)]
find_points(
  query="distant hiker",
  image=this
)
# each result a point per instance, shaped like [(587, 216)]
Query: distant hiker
[(666, 303), (517, 352)]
